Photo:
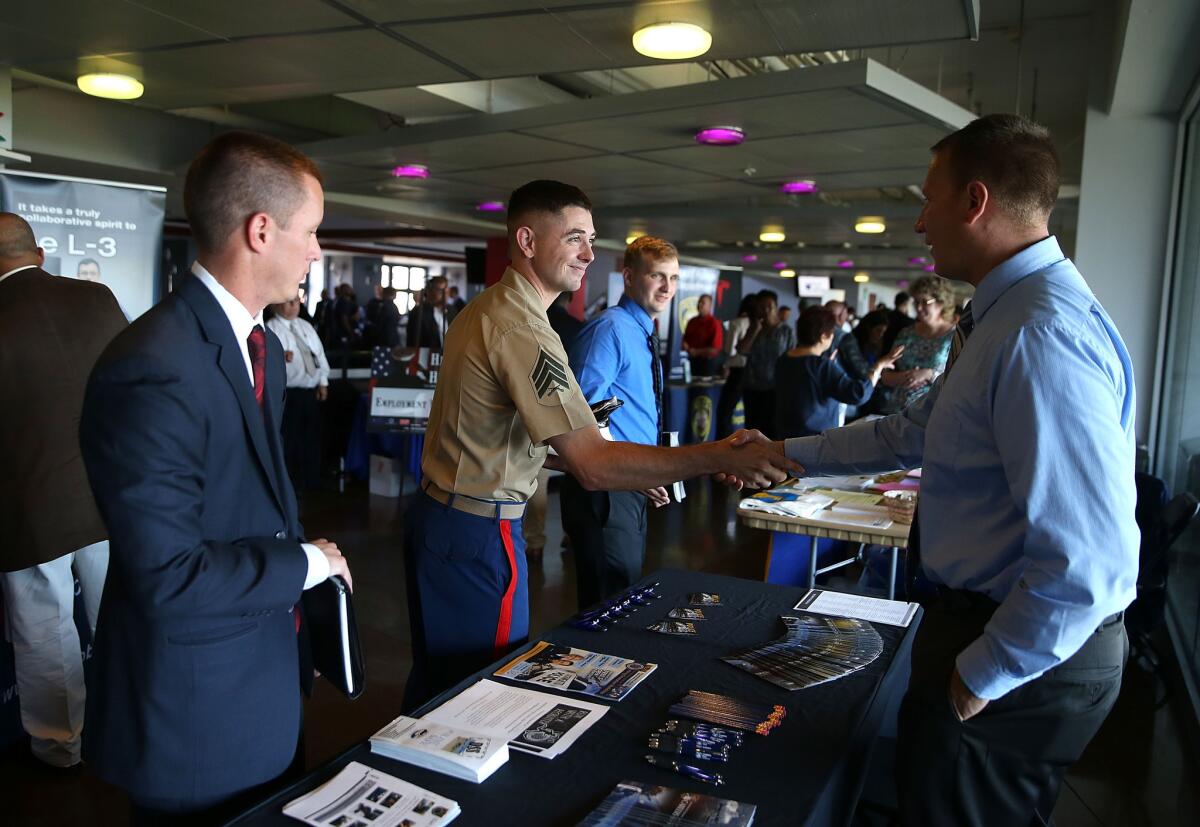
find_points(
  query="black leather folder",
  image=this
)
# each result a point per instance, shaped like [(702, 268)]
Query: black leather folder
[(333, 631)]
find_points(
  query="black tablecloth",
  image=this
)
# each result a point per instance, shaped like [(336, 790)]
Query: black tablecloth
[(808, 771)]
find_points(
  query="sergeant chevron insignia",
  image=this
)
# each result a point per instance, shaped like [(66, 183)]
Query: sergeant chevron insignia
[(548, 375)]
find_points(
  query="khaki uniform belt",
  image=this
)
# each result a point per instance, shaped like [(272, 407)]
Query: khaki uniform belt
[(476, 506)]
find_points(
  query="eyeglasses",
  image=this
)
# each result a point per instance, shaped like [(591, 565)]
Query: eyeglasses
[(925, 302)]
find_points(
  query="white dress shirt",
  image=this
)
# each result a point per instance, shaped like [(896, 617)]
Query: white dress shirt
[(293, 335), (17, 270), (242, 323)]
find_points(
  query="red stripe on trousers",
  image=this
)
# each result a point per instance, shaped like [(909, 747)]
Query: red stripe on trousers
[(504, 624)]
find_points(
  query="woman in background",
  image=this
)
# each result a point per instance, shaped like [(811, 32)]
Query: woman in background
[(926, 345)]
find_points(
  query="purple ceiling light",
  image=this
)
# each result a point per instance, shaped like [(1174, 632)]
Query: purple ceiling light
[(780, 265), (720, 136), (929, 268), (845, 264), (902, 283), (749, 257), (490, 206), (917, 260), (799, 187), (410, 171)]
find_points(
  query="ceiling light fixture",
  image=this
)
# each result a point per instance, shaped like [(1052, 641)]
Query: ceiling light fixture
[(490, 206), (929, 268), (870, 225), (108, 85), (772, 235), (633, 236), (788, 274), (802, 187), (861, 278), (780, 265), (845, 264), (410, 171), (749, 257), (672, 41), (721, 136), (917, 260)]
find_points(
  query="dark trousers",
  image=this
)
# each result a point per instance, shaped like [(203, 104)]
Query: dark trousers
[(760, 410), (468, 596), (731, 394), (1005, 765), (608, 535), (302, 437)]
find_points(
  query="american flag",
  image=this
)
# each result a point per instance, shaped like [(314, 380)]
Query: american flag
[(382, 363)]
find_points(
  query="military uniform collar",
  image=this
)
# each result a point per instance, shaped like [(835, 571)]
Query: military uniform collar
[(524, 286)]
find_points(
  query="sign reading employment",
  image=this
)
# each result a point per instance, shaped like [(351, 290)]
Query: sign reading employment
[(412, 404), (96, 230)]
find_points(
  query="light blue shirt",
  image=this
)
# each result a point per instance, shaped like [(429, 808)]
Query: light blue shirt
[(611, 357), (1028, 490)]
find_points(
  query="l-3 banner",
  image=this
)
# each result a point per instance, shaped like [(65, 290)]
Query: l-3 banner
[(96, 230)]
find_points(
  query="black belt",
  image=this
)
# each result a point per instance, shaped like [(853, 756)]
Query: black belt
[(965, 600)]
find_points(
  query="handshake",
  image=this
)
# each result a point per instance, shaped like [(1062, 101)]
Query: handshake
[(748, 459)]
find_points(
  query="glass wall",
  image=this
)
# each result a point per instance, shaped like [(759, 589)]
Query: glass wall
[(1178, 450)]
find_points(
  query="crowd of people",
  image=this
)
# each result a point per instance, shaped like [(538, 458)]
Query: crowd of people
[(151, 459)]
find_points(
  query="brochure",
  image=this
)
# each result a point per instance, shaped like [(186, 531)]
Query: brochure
[(639, 803), (534, 722), (874, 609), (360, 796), (457, 752), (788, 503), (577, 670)]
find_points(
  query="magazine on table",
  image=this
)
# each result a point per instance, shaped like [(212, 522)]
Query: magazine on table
[(788, 503), (534, 722), (576, 670), (361, 796), (470, 756), (639, 803)]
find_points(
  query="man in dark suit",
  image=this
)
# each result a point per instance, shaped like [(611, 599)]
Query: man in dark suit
[(428, 321), (197, 668), (52, 330)]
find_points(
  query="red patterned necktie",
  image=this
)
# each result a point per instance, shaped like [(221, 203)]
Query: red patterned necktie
[(257, 344)]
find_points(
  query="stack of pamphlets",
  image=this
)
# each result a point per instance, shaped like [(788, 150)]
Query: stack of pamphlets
[(470, 756), (639, 803), (789, 503), (576, 670), (361, 795), (814, 650)]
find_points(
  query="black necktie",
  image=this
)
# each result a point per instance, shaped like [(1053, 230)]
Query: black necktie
[(966, 324), (656, 370)]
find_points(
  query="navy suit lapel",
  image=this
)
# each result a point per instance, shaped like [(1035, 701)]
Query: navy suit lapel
[(275, 398), (219, 332)]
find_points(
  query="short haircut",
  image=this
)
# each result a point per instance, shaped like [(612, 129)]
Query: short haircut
[(935, 287), (813, 324), (16, 236), (770, 295), (704, 296), (543, 196), (389, 293), (1013, 156), (902, 298), (237, 175), (648, 249), (84, 261)]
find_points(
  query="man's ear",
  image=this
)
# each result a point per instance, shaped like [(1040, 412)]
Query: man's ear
[(258, 229), (627, 275), (525, 241), (41, 254), (978, 199)]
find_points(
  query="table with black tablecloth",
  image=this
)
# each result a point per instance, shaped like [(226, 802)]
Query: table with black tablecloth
[(808, 771)]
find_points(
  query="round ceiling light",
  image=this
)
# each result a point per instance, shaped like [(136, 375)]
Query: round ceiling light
[(780, 265), (788, 273), (672, 41), (633, 236), (411, 171), (108, 85), (861, 278), (772, 235), (802, 187), (845, 264), (929, 268), (870, 225), (490, 206), (917, 260), (721, 136), (749, 257)]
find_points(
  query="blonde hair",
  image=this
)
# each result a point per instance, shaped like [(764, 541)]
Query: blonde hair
[(936, 288)]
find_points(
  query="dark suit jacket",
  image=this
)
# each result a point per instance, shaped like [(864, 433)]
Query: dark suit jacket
[(423, 330), (52, 330), (194, 692)]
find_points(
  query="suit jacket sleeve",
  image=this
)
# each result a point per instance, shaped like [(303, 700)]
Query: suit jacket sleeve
[(144, 440)]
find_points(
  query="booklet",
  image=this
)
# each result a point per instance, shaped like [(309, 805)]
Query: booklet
[(576, 670), (359, 796), (534, 722), (457, 752), (874, 609), (638, 803), (788, 503)]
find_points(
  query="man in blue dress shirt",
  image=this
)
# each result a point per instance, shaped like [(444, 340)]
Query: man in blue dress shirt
[(1026, 519), (616, 354)]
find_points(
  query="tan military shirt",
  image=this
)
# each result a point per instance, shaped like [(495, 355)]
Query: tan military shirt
[(505, 387)]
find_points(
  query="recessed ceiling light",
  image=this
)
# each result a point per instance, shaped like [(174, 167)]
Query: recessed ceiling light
[(108, 85), (917, 260), (929, 268), (772, 235), (490, 206), (862, 278), (788, 274), (672, 41), (799, 187), (411, 171), (780, 265), (721, 136), (633, 236), (870, 225), (845, 264), (749, 257)]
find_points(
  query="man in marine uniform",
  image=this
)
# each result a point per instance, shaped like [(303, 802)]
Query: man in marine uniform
[(504, 398)]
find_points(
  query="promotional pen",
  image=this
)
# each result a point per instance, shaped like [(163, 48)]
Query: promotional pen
[(664, 763)]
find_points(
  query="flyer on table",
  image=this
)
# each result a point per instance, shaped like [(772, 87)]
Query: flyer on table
[(577, 670)]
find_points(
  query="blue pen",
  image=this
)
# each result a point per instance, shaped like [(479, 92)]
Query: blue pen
[(665, 763)]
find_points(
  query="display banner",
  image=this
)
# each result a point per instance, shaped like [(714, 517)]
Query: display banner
[(96, 230)]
